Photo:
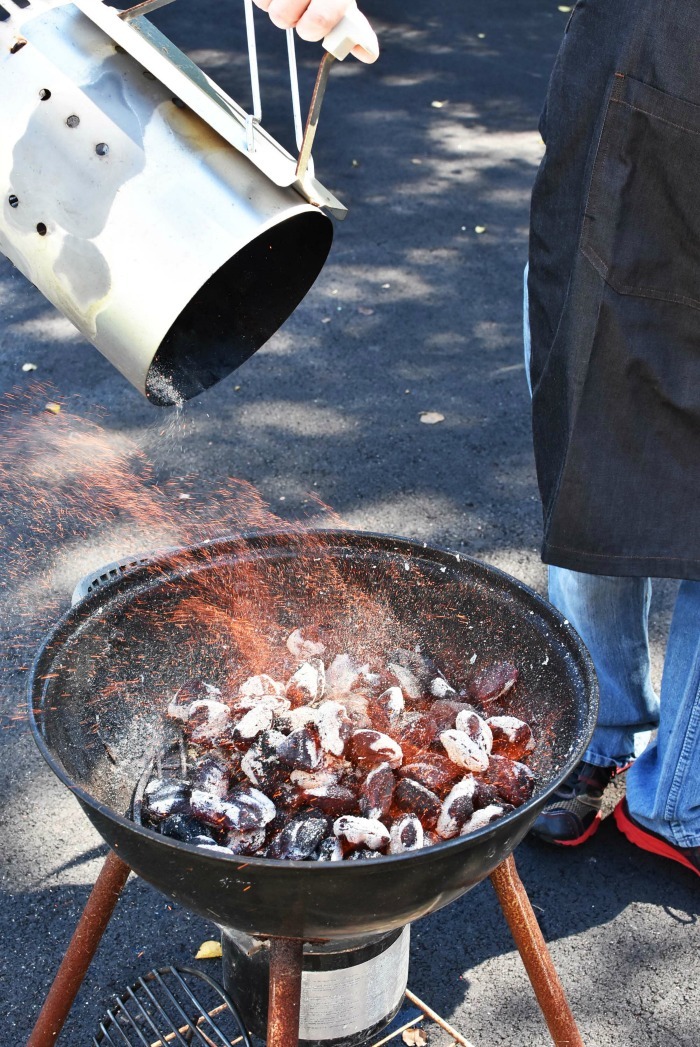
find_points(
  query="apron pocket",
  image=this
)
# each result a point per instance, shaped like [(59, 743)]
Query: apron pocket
[(641, 226)]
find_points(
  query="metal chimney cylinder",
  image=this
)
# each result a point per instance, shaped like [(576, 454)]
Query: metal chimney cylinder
[(166, 247)]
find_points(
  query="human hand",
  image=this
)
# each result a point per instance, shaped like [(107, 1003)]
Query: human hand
[(314, 19)]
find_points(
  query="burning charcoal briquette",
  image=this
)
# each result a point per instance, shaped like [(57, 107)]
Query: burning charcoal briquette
[(254, 722), (208, 723), (333, 800), (334, 727), (457, 808), (435, 772), (377, 792), (462, 750), (361, 832), (304, 648), (301, 749), (187, 828), (402, 677), (439, 687), (287, 797), (258, 686), (306, 685), (369, 747), (406, 834), (511, 737), (314, 779), (481, 818), (264, 771), (357, 708), (443, 713), (300, 837), (164, 797), (363, 855), (417, 735), (514, 782), (392, 702), (330, 850), (494, 682), (211, 774), (246, 842), (477, 729), (295, 719), (179, 708), (414, 798), (342, 674), (248, 808)]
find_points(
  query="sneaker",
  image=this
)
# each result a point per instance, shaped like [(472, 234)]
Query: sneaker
[(573, 813), (651, 841)]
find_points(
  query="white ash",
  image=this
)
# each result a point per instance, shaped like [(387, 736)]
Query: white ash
[(480, 818), (343, 673), (361, 831), (463, 751), (457, 808), (302, 649), (375, 746), (258, 686), (439, 688), (304, 683), (407, 681), (392, 701), (255, 721), (334, 727), (477, 728), (406, 835)]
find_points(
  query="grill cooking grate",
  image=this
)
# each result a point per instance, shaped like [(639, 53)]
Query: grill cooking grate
[(177, 1006)]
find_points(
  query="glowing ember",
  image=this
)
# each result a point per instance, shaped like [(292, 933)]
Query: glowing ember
[(334, 765)]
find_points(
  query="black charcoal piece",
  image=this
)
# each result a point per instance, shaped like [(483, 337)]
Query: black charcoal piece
[(187, 828), (300, 837)]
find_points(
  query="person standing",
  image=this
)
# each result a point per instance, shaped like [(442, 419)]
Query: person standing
[(614, 325)]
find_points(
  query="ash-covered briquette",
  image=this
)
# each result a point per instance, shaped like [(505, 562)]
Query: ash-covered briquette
[(345, 761)]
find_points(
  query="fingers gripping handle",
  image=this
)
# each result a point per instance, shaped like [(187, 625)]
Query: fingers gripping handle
[(354, 30)]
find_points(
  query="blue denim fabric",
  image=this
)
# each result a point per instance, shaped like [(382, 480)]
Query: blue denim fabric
[(611, 616)]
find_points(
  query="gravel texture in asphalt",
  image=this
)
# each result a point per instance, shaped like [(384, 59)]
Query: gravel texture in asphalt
[(418, 310)]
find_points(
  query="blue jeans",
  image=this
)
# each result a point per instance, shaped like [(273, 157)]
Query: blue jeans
[(611, 616)]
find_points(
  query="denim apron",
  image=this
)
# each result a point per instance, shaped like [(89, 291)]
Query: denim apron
[(614, 292)]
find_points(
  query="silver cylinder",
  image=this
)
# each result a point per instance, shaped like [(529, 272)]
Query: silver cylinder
[(350, 989), (167, 248)]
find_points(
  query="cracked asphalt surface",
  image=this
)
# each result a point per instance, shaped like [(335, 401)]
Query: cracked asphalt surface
[(415, 311)]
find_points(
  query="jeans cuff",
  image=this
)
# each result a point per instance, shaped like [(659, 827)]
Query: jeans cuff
[(606, 761)]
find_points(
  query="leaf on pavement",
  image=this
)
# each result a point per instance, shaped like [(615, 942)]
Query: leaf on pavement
[(414, 1038), (209, 951)]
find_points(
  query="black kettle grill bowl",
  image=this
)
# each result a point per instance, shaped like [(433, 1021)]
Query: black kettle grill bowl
[(101, 680)]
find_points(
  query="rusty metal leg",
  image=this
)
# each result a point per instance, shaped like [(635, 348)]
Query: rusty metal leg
[(83, 946), (535, 955), (284, 1001)]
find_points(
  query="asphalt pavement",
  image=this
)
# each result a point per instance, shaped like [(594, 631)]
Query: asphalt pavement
[(418, 310)]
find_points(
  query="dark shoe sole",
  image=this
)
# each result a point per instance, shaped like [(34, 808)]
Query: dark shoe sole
[(648, 840), (592, 828), (590, 831)]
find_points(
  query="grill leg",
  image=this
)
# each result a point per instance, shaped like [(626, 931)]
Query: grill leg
[(284, 1000), (535, 955), (83, 946)]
